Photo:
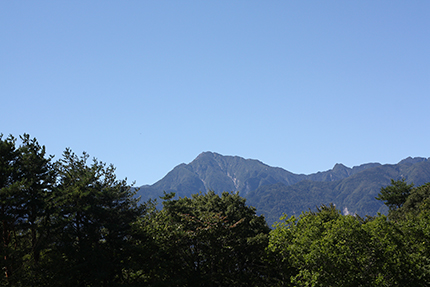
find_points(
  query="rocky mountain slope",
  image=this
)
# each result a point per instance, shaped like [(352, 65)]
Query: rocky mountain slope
[(273, 190)]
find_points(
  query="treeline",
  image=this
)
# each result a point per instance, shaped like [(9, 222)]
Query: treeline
[(71, 222)]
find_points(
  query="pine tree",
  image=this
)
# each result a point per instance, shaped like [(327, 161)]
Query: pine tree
[(92, 222), (8, 216)]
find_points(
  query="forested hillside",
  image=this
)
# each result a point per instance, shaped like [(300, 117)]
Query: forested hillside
[(71, 222), (354, 194)]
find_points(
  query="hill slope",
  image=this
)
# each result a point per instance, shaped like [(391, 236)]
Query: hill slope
[(354, 194), (212, 171)]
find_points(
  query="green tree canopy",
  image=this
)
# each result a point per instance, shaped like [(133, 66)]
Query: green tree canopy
[(27, 180), (395, 195), (325, 248), (417, 199), (93, 221), (210, 240)]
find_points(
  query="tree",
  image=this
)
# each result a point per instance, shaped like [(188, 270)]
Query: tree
[(415, 227), (37, 181), (66, 223), (325, 248), (395, 195), (416, 200), (92, 223), (8, 214), (209, 240), (27, 180)]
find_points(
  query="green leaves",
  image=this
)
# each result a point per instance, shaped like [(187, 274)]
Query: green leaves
[(395, 195), (325, 248), (94, 215), (26, 182), (66, 223), (210, 240), (72, 223)]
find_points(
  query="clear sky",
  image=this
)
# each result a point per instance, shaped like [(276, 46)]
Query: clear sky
[(147, 85)]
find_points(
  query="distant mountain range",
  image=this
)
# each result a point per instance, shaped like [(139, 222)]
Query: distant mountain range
[(274, 191)]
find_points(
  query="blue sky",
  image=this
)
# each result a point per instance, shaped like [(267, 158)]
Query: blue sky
[(147, 85)]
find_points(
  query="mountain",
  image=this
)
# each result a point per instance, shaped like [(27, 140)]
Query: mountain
[(354, 194), (273, 190), (212, 171)]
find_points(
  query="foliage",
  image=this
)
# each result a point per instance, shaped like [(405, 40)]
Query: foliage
[(210, 240), (325, 248), (64, 224), (395, 195), (417, 200), (92, 222), (72, 223), (9, 214), (27, 182)]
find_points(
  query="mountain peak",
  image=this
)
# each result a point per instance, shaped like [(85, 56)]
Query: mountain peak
[(207, 154), (275, 190), (412, 160), (339, 166)]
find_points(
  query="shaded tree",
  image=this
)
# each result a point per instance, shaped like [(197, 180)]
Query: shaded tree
[(92, 223), (27, 181), (210, 240), (8, 206)]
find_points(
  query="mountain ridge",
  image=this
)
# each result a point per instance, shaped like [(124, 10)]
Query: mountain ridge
[(274, 190), (231, 168)]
